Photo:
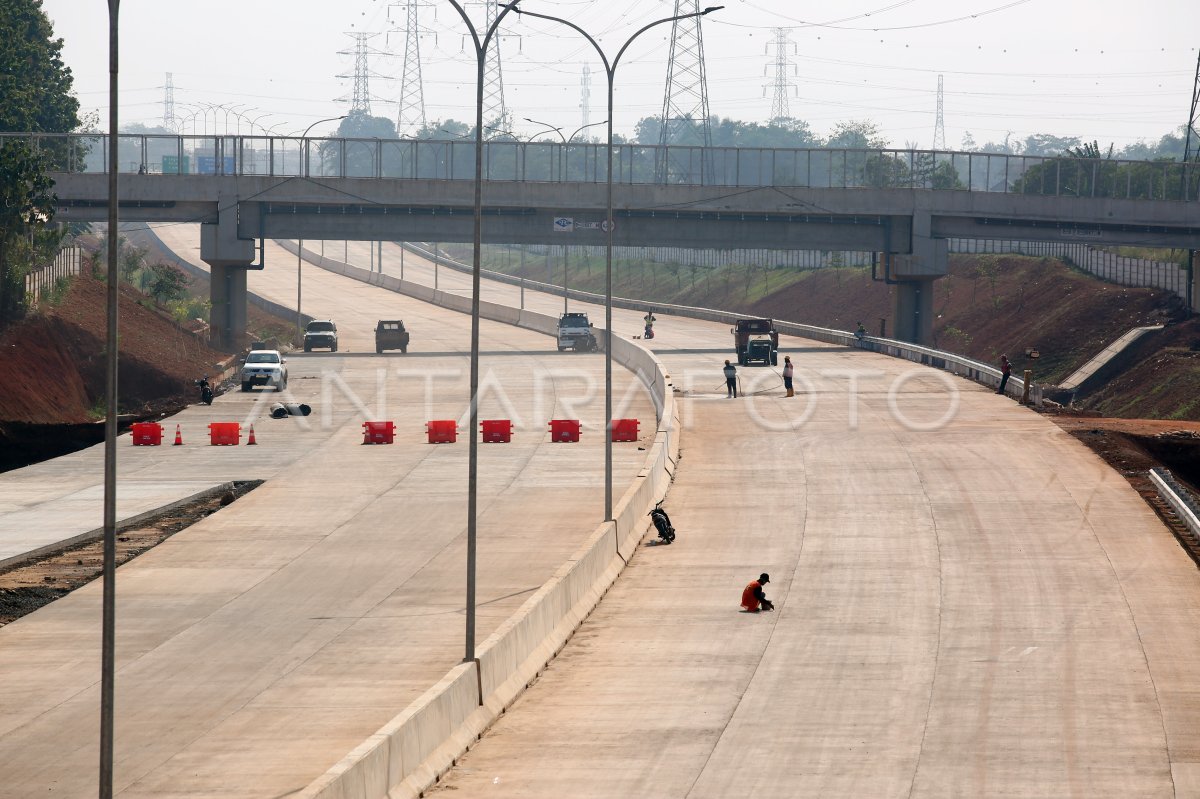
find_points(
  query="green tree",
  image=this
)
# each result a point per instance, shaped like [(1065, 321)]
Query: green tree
[(167, 283), (860, 135), (35, 85), (35, 95), (26, 206)]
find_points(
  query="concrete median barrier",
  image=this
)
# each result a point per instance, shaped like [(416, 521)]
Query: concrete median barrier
[(412, 749)]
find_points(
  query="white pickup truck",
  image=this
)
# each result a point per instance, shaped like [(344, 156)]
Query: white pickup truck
[(264, 368)]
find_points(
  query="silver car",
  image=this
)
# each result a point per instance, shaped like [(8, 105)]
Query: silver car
[(264, 368)]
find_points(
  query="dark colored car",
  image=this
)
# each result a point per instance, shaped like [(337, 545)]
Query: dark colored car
[(320, 334)]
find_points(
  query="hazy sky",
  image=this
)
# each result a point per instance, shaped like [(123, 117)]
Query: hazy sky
[(1109, 69)]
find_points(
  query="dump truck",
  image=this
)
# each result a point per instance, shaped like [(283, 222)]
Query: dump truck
[(756, 341), (575, 333), (390, 335)]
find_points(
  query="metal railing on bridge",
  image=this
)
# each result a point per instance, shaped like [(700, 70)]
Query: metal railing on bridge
[(556, 162)]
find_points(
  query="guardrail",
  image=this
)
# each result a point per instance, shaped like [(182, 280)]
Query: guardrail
[(556, 162), (1186, 506)]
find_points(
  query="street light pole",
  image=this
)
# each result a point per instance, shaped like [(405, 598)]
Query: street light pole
[(610, 70), (300, 242), (108, 624), (481, 46)]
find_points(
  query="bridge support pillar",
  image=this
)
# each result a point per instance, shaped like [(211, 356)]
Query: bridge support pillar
[(227, 291), (914, 275), (913, 311), (228, 257)]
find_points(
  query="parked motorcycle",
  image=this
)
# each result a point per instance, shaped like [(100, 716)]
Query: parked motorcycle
[(206, 392), (662, 523)]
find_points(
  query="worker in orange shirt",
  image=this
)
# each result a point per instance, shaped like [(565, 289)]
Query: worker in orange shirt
[(753, 599)]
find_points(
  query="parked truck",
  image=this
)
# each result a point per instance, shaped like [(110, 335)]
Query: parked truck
[(575, 333), (756, 341), (391, 335)]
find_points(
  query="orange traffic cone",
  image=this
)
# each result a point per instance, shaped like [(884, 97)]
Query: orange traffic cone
[(178, 437), (250, 441)]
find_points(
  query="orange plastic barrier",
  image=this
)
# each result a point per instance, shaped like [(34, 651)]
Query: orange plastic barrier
[(146, 434), (564, 429), (442, 431), (379, 432), (224, 433), (624, 429), (496, 431)]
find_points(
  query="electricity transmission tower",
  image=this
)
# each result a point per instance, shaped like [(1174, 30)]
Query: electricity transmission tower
[(495, 112), (585, 96), (169, 103), (785, 68), (939, 127), (410, 117), (360, 100), (685, 101), (1193, 132)]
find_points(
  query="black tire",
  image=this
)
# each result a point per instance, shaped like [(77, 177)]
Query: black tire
[(404, 350), (333, 348), (774, 358), (245, 386), (307, 348), (378, 350)]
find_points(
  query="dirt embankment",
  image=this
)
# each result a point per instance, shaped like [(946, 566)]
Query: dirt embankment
[(991, 305), (55, 362)]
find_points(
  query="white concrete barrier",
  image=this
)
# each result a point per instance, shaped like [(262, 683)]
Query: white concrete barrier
[(413, 748), (408, 754)]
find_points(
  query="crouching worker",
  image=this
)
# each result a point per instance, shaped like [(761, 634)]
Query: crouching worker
[(753, 599)]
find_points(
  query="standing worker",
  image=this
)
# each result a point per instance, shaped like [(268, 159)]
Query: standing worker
[(788, 371), (752, 595), (730, 380), (1005, 371)]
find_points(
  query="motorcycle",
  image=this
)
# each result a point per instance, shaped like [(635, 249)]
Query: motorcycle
[(206, 392), (662, 523)]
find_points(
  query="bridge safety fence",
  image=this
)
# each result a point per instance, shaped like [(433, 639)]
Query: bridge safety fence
[(42, 279), (1103, 262), (584, 162)]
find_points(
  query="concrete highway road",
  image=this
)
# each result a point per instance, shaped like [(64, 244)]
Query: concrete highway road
[(260, 645), (969, 603)]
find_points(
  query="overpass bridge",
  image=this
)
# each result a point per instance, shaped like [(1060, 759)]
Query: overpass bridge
[(903, 204)]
